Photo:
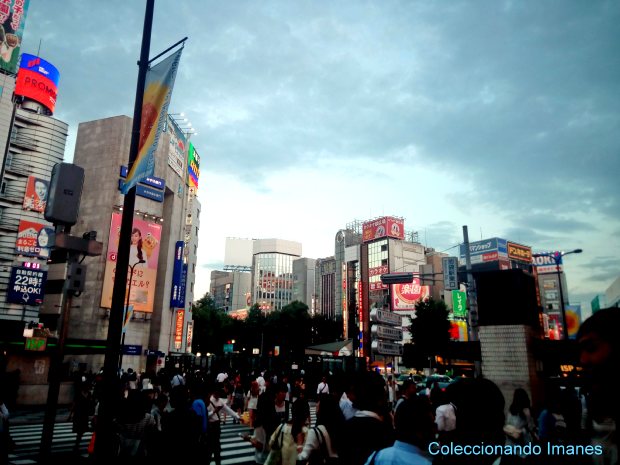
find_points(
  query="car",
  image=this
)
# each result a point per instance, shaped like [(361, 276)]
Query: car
[(442, 380), (416, 378)]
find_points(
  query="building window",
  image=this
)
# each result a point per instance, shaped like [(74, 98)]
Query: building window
[(194, 268), (191, 286)]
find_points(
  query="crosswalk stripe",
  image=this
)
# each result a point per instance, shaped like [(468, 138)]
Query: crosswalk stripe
[(235, 451)]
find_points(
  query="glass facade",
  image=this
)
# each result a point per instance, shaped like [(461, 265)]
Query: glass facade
[(378, 264), (272, 280)]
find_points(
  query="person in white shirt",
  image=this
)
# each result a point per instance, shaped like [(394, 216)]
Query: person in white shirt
[(323, 387), (177, 380), (216, 405), (221, 377)]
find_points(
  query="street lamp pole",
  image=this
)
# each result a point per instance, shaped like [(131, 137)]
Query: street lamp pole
[(131, 267), (557, 258)]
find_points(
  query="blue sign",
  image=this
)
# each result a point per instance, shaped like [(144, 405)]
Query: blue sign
[(132, 350), (146, 192), (495, 244), (26, 286), (153, 181), (179, 276)]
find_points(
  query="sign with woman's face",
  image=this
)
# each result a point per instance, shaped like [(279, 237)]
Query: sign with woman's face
[(34, 239), (35, 198)]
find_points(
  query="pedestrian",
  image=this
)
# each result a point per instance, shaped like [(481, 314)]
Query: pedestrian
[(321, 446), (369, 430), (5, 437), (216, 407), (323, 387), (407, 391), (82, 409), (445, 417), (599, 356), (134, 425), (288, 439), (392, 389), (252, 401), (414, 432)]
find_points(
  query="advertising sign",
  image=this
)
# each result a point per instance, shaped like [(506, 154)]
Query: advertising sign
[(545, 264), (459, 304), (387, 226), (12, 20), (26, 286), (519, 252), (450, 277), (405, 296), (145, 240), (486, 250), (573, 320), (34, 239), (189, 337), (36, 344), (36, 194), (177, 147), (152, 181), (193, 166), (378, 270), (157, 94), (37, 79), (178, 328), (179, 277)]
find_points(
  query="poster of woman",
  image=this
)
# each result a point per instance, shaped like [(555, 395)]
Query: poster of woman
[(143, 259)]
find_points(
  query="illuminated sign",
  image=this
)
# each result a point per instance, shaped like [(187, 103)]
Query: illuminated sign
[(178, 328), (193, 166), (519, 252), (459, 304), (405, 296), (37, 79)]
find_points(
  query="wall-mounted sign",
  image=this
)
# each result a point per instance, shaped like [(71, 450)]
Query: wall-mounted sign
[(519, 252), (387, 226), (450, 277), (406, 296), (26, 286)]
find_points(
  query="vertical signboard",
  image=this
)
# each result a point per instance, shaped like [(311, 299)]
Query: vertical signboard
[(459, 304), (345, 308), (450, 277), (189, 337), (360, 316), (145, 240), (177, 293), (178, 328), (193, 166), (177, 147), (12, 20)]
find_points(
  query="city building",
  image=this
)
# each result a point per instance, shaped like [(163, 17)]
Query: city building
[(165, 230), (612, 294), (324, 299), (304, 275), (272, 272), (231, 291)]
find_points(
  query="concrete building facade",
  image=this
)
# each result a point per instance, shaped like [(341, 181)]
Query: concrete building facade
[(304, 272)]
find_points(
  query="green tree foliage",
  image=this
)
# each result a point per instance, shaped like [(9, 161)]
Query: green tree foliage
[(430, 330), (212, 326)]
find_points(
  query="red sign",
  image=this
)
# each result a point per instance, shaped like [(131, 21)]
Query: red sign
[(37, 79), (405, 296), (490, 256), (379, 270), (387, 226), (178, 328), (33, 239), (36, 194)]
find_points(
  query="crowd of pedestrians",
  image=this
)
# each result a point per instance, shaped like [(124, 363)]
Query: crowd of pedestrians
[(365, 418)]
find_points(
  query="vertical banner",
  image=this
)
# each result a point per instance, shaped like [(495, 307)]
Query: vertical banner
[(145, 238), (189, 337), (178, 329), (177, 293), (193, 166), (12, 19), (157, 95), (450, 277), (459, 304), (128, 313), (573, 320)]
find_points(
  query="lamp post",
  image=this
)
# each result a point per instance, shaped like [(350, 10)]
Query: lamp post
[(557, 258), (131, 267)]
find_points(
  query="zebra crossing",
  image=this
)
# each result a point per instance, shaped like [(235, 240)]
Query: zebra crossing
[(27, 438)]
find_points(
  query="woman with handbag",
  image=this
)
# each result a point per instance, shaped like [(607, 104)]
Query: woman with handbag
[(288, 439), (322, 440)]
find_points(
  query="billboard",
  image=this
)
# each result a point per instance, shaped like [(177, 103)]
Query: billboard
[(573, 320), (405, 296), (12, 19), (487, 250), (546, 264), (34, 239), (177, 147), (145, 240), (519, 252), (178, 329), (37, 79), (387, 226), (459, 304), (35, 197), (26, 286), (193, 166)]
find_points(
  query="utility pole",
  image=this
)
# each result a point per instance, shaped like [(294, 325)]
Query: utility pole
[(472, 300)]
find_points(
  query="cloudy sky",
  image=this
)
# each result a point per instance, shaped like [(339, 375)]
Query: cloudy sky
[(500, 115)]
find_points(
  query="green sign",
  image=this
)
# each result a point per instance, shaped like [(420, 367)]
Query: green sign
[(228, 348), (36, 344), (459, 304)]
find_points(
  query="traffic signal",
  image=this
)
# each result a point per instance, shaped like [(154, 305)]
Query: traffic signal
[(76, 277)]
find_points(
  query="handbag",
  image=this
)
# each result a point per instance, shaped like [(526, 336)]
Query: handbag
[(275, 452), (91, 444)]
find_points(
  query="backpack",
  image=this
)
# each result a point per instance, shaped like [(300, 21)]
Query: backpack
[(321, 456)]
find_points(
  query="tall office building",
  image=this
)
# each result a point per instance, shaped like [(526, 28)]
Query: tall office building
[(304, 270), (272, 272), (164, 241)]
